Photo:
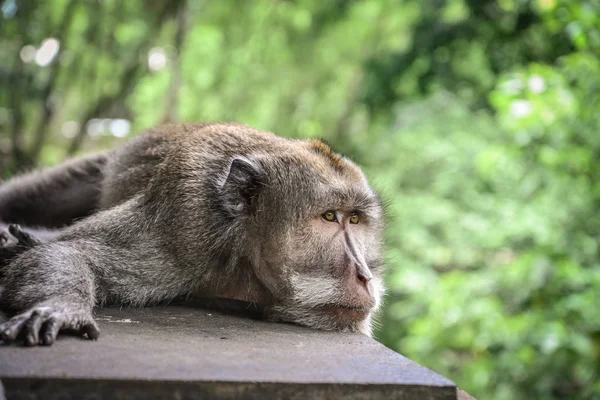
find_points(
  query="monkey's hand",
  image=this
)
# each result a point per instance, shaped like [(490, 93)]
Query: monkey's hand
[(41, 323), (9, 248), (24, 239)]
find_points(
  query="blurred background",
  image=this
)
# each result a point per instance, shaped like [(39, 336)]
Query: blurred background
[(478, 121)]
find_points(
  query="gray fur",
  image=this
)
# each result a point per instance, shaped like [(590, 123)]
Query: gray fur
[(202, 210)]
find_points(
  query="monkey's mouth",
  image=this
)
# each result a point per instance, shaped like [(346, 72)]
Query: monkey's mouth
[(355, 312), (351, 308)]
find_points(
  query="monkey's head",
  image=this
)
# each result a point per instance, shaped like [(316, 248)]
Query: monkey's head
[(315, 229)]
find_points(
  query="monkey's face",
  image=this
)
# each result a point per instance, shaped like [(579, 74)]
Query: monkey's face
[(332, 270), (321, 258)]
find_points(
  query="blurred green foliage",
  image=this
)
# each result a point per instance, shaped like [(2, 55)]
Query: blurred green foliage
[(478, 120)]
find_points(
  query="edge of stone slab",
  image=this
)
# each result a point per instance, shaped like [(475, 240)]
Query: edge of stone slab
[(57, 388), (462, 395)]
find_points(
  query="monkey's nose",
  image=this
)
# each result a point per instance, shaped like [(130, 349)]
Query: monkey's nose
[(364, 279), (363, 273)]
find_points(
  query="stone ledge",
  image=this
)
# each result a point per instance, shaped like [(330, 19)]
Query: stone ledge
[(181, 352)]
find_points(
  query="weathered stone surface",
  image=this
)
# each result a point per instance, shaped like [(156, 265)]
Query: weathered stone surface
[(183, 353)]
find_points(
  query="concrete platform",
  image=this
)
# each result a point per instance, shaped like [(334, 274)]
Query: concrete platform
[(183, 352)]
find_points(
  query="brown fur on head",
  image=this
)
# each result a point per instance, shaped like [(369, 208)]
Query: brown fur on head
[(321, 271)]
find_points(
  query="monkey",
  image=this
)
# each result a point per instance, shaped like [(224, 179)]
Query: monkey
[(195, 210)]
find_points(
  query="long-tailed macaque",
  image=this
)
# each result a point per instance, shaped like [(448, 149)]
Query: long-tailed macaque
[(219, 210)]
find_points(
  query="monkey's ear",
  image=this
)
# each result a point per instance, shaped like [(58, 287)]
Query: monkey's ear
[(243, 182)]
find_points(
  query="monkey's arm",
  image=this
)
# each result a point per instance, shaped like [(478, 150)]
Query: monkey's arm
[(53, 286), (54, 197)]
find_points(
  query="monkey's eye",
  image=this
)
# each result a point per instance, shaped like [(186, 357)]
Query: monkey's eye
[(354, 218), (329, 216)]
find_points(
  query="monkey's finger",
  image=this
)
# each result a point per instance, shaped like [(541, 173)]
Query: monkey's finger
[(14, 230), (23, 237), (6, 333), (11, 328), (32, 328), (50, 331), (91, 330), (3, 238)]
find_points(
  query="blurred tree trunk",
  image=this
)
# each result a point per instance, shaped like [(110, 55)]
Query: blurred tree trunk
[(128, 79), (181, 20), (41, 132), (19, 155), (16, 85)]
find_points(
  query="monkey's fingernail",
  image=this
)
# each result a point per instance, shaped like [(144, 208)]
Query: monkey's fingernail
[(30, 340), (92, 332), (47, 340), (14, 228)]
